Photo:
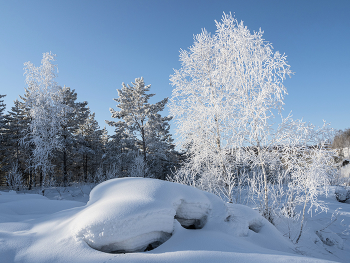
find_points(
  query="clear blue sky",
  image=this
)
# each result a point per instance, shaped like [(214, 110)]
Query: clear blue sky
[(100, 44)]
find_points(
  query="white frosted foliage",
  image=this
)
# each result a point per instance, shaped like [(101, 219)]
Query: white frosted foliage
[(45, 101)]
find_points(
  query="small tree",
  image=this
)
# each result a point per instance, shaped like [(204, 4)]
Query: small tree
[(310, 162), (14, 177), (138, 167)]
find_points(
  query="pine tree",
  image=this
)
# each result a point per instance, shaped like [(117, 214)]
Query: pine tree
[(120, 149), (71, 121), (150, 130), (17, 123), (160, 145), (89, 146)]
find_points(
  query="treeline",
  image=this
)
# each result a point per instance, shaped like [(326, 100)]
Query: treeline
[(341, 140), (48, 138)]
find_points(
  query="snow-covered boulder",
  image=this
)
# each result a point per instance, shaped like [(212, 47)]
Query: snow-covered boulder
[(137, 214), (342, 194)]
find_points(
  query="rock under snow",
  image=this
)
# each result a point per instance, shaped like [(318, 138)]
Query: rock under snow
[(137, 214), (342, 194)]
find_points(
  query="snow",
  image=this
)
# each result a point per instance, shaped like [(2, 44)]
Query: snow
[(129, 215), (342, 193), (126, 215), (345, 171)]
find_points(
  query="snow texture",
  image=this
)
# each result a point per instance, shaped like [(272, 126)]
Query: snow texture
[(129, 214)]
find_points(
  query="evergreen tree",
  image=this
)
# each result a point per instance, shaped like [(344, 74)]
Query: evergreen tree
[(120, 149), (160, 145), (71, 121), (149, 130), (89, 146), (2, 137), (16, 124)]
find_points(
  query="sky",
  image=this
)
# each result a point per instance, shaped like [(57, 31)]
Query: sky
[(101, 44)]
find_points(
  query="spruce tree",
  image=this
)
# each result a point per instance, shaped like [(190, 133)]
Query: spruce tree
[(149, 130), (71, 121), (89, 146), (120, 149), (17, 123)]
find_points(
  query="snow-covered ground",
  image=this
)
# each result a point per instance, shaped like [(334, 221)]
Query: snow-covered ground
[(172, 222)]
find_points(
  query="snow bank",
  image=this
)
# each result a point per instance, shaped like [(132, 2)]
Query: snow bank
[(137, 214), (17, 207), (128, 214)]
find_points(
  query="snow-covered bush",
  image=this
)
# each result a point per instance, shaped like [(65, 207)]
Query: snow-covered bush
[(99, 176), (14, 178), (139, 167), (113, 171)]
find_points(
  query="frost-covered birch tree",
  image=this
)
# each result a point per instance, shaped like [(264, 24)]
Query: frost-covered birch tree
[(226, 99), (310, 164), (226, 91), (46, 108)]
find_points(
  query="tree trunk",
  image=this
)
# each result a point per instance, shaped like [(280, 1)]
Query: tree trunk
[(41, 179), (65, 168), (31, 181), (85, 167), (302, 220), (266, 212), (65, 179), (143, 148)]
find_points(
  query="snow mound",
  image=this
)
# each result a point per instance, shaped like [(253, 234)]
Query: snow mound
[(138, 214)]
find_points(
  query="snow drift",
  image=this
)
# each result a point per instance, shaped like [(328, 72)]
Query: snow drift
[(181, 223), (138, 214)]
